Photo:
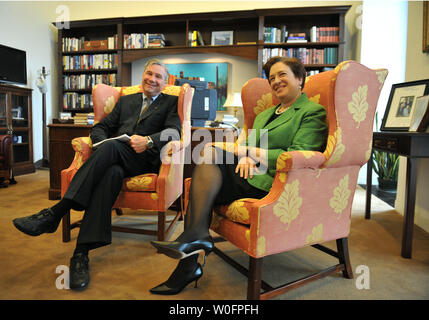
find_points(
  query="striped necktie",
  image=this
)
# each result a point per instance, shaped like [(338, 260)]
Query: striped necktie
[(146, 104)]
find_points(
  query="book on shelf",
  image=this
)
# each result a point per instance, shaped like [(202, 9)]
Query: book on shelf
[(306, 55), (72, 44), (296, 41), (80, 118), (324, 34), (144, 40), (90, 61), (74, 100), (195, 38), (245, 42), (87, 81), (123, 138), (275, 35), (299, 37)]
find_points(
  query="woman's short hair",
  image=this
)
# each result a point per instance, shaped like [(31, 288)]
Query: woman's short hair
[(293, 63), (159, 63)]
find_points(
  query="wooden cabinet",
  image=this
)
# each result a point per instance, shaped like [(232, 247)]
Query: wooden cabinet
[(61, 152), (248, 41), (16, 119)]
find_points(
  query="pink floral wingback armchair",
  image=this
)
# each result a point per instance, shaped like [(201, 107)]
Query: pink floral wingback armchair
[(311, 198), (148, 192)]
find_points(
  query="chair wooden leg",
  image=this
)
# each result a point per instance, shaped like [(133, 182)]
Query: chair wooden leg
[(343, 256), (66, 227), (161, 226), (254, 279)]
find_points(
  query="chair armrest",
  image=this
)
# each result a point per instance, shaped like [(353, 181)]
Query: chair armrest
[(83, 149), (170, 179), (288, 162), (299, 159)]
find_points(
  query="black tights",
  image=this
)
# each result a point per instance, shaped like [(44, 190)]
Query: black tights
[(206, 183)]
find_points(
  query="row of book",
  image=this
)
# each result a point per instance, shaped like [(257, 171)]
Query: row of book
[(144, 40), (324, 34), (83, 118), (315, 34), (87, 81), (73, 100), (90, 61), (306, 55), (71, 44), (275, 35)]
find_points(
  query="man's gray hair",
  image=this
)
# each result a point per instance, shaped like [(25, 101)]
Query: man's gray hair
[(159, 63)]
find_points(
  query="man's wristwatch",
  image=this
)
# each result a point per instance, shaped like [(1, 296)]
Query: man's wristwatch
[(149, 144)]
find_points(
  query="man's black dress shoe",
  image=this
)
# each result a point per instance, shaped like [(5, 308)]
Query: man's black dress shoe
[(164, 289), (79, 271), (180, 250), (43, 222)]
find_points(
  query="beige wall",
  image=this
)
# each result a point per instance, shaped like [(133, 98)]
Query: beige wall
[(28, 26), (417, 68)]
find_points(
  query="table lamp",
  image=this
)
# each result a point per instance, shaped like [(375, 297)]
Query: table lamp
[(233, 102)]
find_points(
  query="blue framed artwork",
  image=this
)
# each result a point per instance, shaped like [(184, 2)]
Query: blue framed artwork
[(215, 73)]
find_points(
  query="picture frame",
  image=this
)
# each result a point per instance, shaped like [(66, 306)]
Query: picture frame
[(401, 103), (222, 38), (65, 115), (217, 75), (420, 118)]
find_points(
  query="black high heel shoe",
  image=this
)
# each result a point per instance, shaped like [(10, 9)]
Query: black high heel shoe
[(164, 289), (180, 250)]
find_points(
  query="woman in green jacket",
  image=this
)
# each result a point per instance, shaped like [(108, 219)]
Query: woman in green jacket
[(296, 123)]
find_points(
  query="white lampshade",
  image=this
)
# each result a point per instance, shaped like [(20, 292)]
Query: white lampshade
[(233, 100)]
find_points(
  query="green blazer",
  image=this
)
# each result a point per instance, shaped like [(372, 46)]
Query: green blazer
[(301, 127)]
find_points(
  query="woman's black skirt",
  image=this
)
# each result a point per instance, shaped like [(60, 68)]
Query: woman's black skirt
[(233, 186)]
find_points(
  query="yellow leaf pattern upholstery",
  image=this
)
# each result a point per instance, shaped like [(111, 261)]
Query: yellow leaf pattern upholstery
[(311, 197), (341, 194), (316, 235), (144, 182), (260, 247), (287, 209), (150, 192), (358, 106)]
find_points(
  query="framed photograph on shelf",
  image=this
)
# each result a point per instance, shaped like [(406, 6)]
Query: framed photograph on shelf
[(420, 118), (401, 104), (222, 38)]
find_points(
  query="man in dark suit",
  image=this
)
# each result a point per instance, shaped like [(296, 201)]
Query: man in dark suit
[(151, 120)]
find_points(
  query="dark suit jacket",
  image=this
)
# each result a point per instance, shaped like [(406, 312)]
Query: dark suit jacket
[(160, 121)]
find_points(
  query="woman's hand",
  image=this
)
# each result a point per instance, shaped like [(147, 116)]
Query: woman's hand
[(246, 166)]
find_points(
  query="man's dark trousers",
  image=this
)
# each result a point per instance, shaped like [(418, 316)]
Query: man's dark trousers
[(97, 184)]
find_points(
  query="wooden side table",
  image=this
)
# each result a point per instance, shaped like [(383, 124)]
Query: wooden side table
[(412, 145), (61, 152)]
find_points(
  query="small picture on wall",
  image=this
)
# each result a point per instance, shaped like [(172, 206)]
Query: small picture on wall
[(215, 73)]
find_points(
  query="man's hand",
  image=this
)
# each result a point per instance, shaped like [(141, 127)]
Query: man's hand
[(246, 166), (138, 143)]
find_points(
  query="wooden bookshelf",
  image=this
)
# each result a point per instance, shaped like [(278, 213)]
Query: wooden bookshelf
[(248, 37)]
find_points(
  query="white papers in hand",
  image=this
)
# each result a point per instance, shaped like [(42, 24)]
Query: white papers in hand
[(123, 138)]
